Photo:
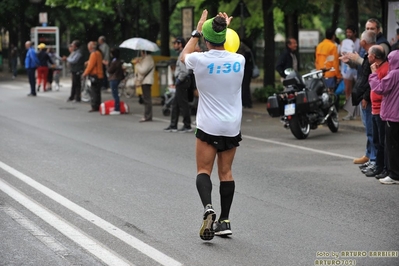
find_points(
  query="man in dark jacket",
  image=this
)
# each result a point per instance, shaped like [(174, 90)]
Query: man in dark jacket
[(361, 95), (288, 58), (76, 63)]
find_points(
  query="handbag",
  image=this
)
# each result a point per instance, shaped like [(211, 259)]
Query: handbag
[(139, 90)]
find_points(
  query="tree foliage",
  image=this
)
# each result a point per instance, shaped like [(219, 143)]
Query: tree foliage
[(160, 20)]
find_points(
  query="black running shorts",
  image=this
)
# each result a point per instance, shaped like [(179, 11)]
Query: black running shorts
[(221, 143)]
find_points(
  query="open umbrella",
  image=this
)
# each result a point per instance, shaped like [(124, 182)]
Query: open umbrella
[(139, 44)]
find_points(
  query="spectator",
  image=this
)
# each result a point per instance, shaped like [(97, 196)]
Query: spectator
[(104, 48), (389, 88), (115, 72), (374, 25), (52, 68), (349, 45), (76, 66), (42, 70), (94, 70), (379, 69), (395, 44), (327, 57), (288, 59), (361, 94), (180, 101), (218, 117), (31, 63), (144, 68)]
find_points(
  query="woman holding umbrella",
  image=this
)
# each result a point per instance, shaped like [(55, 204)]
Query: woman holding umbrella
[(144, 68)]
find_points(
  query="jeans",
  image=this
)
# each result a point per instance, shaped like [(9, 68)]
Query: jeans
[(368, 124), (105, 79), (379, 141), (95, 94), (32, 80), (147, 101), (180, 105), (76, 89), (114, 87)]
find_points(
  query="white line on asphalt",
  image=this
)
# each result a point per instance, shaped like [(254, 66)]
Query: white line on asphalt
[(83, 240), (299, 147), (36, 231), (106, 226)]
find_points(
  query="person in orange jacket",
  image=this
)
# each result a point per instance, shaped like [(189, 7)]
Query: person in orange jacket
[(94, 70), (327, 57)]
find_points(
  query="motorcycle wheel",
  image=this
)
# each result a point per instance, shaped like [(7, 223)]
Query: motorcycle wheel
[(300, 127), (332, 121)]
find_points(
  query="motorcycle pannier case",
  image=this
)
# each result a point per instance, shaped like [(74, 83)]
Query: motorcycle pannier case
[(306, 101), (274, 106)]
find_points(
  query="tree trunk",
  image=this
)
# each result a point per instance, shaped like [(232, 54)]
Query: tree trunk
[(384, 14), (352, 14), (335, 15), (164, 27), (268, 32), (292, 29)]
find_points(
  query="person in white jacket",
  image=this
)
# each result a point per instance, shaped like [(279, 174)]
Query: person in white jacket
[(144, 67)]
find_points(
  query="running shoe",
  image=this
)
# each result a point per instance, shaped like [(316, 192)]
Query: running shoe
[(222, 228), (388, 181), (206, 231)]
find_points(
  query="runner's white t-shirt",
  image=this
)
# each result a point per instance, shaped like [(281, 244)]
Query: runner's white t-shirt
[(218, 74), (347, 46)]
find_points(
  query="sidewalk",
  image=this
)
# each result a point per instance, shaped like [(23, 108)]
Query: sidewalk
[(258, 108)]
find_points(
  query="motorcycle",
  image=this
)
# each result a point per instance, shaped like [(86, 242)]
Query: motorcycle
[(305, 103)]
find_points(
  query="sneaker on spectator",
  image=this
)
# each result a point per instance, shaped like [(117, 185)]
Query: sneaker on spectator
[(185, 129), (206, 231), (372, 172), (383, 174), (222, 228), (371, 166), (365, 165), (361, 160), (388, 181), (170, 129)]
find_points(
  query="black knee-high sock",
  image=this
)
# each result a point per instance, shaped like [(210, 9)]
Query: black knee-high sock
[(226, 190), (204, 187)]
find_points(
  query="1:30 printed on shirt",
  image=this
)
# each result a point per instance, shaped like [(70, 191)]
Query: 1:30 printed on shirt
[(224, 69)]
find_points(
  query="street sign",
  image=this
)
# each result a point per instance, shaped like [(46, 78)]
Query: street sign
[(43, 17)]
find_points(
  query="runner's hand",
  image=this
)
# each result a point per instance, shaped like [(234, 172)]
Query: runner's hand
[(228, 19)]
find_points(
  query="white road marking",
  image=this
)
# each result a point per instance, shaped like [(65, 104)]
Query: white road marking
[(36, 231), (106, 226), (83, 240), (299, 147)]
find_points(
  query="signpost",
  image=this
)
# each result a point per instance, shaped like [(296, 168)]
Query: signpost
[(187, 17)]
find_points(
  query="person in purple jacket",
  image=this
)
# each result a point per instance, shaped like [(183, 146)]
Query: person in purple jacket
[(389, 88)]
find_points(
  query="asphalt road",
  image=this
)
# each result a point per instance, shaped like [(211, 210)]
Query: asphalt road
[(78, 188)]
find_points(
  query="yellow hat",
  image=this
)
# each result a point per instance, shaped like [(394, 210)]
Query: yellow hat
[(41, 46)]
